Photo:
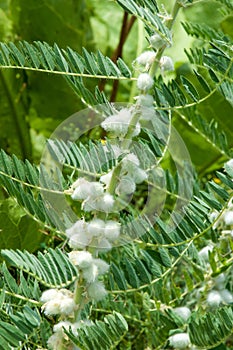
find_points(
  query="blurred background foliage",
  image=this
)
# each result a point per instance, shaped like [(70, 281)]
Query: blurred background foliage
[(33, 104)]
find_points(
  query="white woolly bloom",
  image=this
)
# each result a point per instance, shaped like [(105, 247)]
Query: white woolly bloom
[(146, 59), (145, 82), (55, 341), (204, 253), (157, 41), (49, 294), (106, 179), (118, 123), (112, 230), (82, 189), (81, 259), (226, 296), (180, 340), (96, 291), (60, 326), (148, 114), (228, 218), (139, 175), (145, 100), (106, 203), (166, 63), (220, 281), (102, 266), (183, 312), (96, 227), (125, 186), (67, 306), (79, 241), (52, 307), (91, 273), (130, 160), (78, 228), (214, 298)]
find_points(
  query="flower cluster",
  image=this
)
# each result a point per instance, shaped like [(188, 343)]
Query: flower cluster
[(93, 195), (58, 302), (179, 340), (96, 232)]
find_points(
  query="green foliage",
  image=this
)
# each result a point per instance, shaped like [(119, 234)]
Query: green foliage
[(158, 263)]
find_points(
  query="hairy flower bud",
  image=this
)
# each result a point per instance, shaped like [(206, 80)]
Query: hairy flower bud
[(179, 340), (166, 63), (96, 291), (145, 82), (157, 41)]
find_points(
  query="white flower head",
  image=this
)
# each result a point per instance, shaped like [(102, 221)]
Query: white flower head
[(145, 100), (226, 296), (78, 228), (214, 298), (183, 312), (58, 328), (146, 59), (102, 266), (130, 160), (139, 175), (82, 189), (106, 179), (118, 123), (52, 307), (157, 41), (112, 230), (96, 291), (106, 203), (126, 186), (179, 340), (82, 259), (49, 294), (104, 245), (95, 227), (166, 64), (204, 253), (90, 274), (220, 281), (67, 306), (228, 218), (145, 82), (55, 341), (79, 241)]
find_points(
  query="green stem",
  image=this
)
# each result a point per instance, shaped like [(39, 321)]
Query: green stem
[(170, 23), (79, 297)]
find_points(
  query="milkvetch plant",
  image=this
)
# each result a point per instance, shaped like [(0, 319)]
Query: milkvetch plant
[(139, 254)]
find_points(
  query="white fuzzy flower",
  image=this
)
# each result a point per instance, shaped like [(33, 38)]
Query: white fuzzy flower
[(146, 59), (180, 340), (82, 189), (204, 253), (166, 63), (58, 328), (214, 298), (106, 179), (81, 259), (106, 203), (90, 274), (49, 294), (95, 227), (145, 82), (129, 161), (55, 341), (78, 228), (118, 123), (157, 41), (112, 230), (228, 218), (226, 296), (67, 306), (52, 307), (145, 100), (79, 241), (139, 175), (96, 291), (183, 312), (126, 186), (148, 113), (102, 266)]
